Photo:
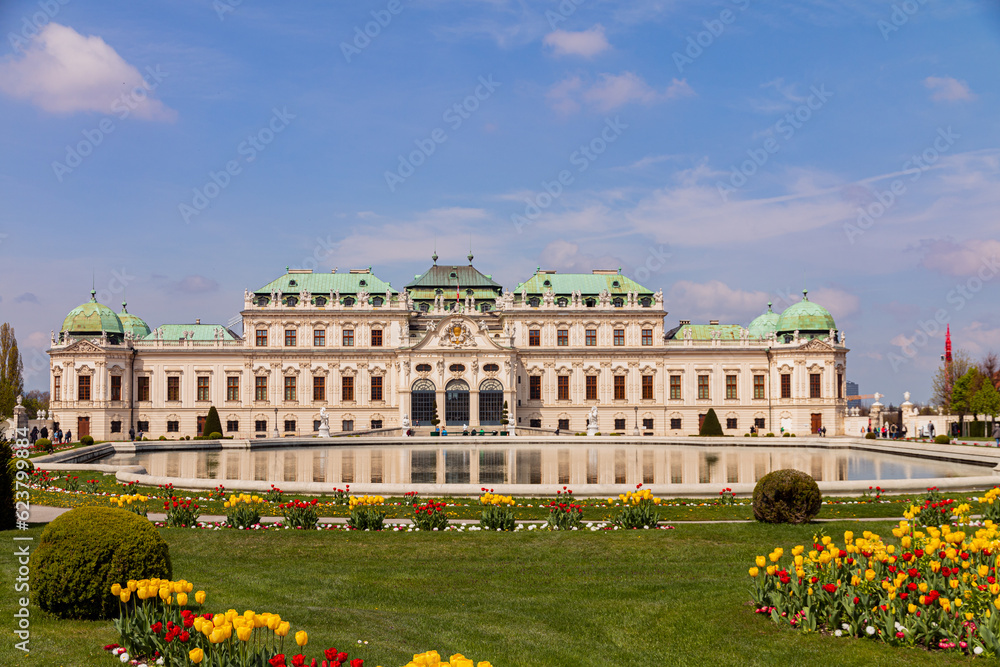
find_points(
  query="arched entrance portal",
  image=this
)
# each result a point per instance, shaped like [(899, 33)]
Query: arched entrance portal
[(490, 402), (456, 403), (422, 399)]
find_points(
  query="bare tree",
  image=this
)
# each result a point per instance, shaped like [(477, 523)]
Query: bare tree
[(11, 370), (946, 376), (990, 368)]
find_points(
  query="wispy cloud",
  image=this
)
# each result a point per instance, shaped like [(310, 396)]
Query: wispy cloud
[(612, 91), (586, 43), (947, 89)]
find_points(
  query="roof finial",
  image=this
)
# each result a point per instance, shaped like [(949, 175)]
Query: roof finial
[(470, 249), (805, 295), (769, 304), (434, 257), (124, 302), (93, 286)]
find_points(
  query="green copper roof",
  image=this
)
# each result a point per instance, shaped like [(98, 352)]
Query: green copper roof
[(765, 324), (444, 276), (130, 322), (704, 331), (199, 332), (585, 283), (92, 318), (806, 316), (325, 283)]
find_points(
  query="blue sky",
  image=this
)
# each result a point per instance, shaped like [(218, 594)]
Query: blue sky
[(721, 151)]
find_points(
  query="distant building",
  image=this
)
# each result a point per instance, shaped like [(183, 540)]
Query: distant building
[(852, 390), (452, 343)]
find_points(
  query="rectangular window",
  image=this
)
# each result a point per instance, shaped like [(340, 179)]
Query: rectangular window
[(376, 338), (563, 425), (291, 337), (173, 427), (289, 426), (815, 385), (260, 426), (647, 387), (319, 337), (786, 385), (703, 387), (376, 387), (290, 388), (619, 424), (591, 387), (316, 424), (173, 388), (56, 387), (202, 388), (376, 424), (232, 387), (535, 423), (675, 387), (562, 337), (116, 387), (590, 338), (731, 423), (347, 425), (619, 339), (840, 385), (562, 387), (675, 423), (347, 389), (758, 386), (260, 388), (319, 388), (116, 427), (142, 388), (731, 387), (647, 336), (535, 388), (348, 338), (647, 424), (534, 337), (142, 427), (759, 422), (261, 337), (232, 425), (619, 387)]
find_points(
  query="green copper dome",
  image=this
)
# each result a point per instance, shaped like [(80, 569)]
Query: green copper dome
[(765, 324), (806, 316), (92, 318), (130, 322)]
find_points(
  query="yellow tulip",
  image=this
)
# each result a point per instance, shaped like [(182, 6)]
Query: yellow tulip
[(218, 636), (273, 622), (761, 561), (218, 620), (125, 595), (282, 629), (301, 638), (116, 590), (199, 597), (754, 572), (196, 655), (182, 599), (243, 634)]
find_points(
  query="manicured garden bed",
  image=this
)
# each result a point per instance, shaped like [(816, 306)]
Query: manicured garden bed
[(568, 598)]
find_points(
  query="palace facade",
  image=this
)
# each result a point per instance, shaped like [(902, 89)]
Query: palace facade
[(452, 344)]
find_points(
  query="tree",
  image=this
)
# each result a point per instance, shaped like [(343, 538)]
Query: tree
[(34, 401), (962, 393), (946, 376), (986, 401), (212, 423), (990, 368), (711, 425), (504, 416), (434, 415), (11, 370)]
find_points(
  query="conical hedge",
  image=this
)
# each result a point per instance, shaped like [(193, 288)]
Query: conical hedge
[(212, 423), (711, 425)]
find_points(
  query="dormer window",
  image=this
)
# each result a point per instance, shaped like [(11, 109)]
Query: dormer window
[(291, 301), (453, 275), (378, 301), (348, 301), (320, 301), (615, 283), (293, 283), (548, 283), (262, 301), (645, 302), (562, 302), (484, 307), (362, 283), (618, 302), (591, 303), (424, 307), (533, 302)]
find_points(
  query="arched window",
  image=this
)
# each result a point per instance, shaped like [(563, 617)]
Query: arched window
[(456, 403), (422, 401), (490, 402)]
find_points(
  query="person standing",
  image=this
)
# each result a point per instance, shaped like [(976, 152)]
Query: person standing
[(33, 435), (131, 434), (69, 436), (996, 432), (44, 432)]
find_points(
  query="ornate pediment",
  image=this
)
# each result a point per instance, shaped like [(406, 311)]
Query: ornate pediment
[(456, 333), (82, 347), (816, 345)]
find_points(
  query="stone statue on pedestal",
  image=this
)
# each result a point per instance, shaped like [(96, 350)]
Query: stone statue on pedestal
[(592, 421), (324, 423)]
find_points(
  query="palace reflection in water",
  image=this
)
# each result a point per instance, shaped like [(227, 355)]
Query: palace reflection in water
[(577, 466)]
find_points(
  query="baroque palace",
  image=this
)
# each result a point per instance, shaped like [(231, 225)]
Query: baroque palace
[(455, 344)]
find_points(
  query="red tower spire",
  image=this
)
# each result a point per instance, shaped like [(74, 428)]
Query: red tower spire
[(947, 346)]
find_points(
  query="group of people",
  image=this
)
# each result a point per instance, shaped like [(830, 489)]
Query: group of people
[(889, 431), (58, 437)]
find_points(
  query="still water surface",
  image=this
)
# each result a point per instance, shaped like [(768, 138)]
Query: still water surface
[(528, 465)]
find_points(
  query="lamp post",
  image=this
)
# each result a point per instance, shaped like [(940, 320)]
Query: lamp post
[(276, 423), (635, 431)]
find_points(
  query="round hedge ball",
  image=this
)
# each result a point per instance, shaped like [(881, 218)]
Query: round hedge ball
[(86, 550), (786, 496)]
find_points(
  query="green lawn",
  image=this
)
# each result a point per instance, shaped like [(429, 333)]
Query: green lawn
[(517, 599)]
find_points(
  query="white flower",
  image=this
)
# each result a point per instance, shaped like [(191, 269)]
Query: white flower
[(870, 630), (838, 633), (124, 657), (977, 650), (159, 660), (845, 626)]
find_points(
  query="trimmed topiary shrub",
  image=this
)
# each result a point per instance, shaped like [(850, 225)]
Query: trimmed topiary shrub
[(86, 441), (942, 439), (212, 426), (215, 435), (82, 552), (711, 425), (43, 445), (786, 496), (871, 436)]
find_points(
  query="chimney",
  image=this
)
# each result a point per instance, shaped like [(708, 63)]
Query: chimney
[(714, 323), (198, 321), (683, 322)]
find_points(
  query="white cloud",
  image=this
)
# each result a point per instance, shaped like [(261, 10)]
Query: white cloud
[(947, 89), (962, 259), (565, 256), (612, 91), (714, 300), (65, 72), (586, 43)]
